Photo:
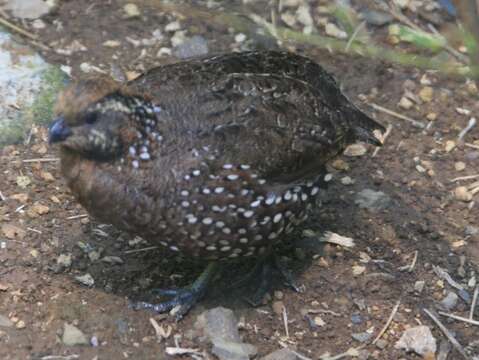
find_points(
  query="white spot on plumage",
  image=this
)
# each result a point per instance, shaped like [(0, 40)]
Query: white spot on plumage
[(248, 214), (232, 177), (270, 199), (255, 203), (225, 248), (242, 231), (243, 240), (184, 193), (191, 218), (272, 236), (196, 173), (135, 164), (144, 156), (277, 218), (206, 191), (211, 248), (227, 166), (245, 167), (265, 220), (207, 221), (226, 230), (219, 189), (258, 237), (132, 150), (304, 196), (220, 224)]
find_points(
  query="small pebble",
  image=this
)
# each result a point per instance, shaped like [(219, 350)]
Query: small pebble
[(459, 165), (419, 286), (426, 93), (362, 337), (131, 10), (450, 301), (405, 103), (356, 318), (86, 280), (461, 193), (278, 307)]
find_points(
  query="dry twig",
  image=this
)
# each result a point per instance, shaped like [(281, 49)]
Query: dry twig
[(468, 177), (448, 334), (41, 160), (474, 302), (285, 321), (415, 123), (385, 136), (141, 250), (23, 32), (459, 318), (74, 217), (388, 322), (470, 125)]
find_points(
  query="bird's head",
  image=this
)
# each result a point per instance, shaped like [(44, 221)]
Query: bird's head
[(98, 119)]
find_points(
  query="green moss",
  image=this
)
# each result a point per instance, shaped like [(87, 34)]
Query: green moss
[(12, 131), (41, 111)]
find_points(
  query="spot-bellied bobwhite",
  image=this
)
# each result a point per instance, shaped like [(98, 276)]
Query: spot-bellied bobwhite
[(216, 158)]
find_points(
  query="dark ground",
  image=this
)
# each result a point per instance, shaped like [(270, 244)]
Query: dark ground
[(423, 216)]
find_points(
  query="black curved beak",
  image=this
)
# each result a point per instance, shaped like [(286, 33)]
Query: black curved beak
[(58, 131)]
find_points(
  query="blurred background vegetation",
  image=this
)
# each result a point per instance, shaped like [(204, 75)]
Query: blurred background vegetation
[(451, 50)]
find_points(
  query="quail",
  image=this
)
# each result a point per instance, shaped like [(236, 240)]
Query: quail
[(217, 158)]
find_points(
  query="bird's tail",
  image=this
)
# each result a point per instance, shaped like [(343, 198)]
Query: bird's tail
[(362, 126)]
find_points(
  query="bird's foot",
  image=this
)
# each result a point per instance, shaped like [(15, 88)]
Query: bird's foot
[(267, 267), (182, 299)]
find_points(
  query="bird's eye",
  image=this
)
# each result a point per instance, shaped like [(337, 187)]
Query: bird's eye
[(91, 118)]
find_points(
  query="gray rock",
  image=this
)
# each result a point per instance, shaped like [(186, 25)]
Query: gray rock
[(471, 230), (362, 337), (64, 260), (192, 47), (86, 280), (356, 318), (372, 200), (220, 326), (5, 322), (28, 9), (419, 286), (377, 18), (73, 336), (283, 354), (450, 301), (418, 339), (381, 344), (28, 90)]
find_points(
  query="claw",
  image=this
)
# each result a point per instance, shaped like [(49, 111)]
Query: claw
[(183, 299)]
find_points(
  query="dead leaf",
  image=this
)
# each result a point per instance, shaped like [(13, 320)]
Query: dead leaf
[(12, 231), (47, 176), (23, 181), (21, 197), (358, 270)]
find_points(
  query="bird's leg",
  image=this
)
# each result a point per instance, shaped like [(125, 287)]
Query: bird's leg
[(267, 265), (183, 298)]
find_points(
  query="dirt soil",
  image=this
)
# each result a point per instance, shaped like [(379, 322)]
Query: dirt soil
[(350, 290)]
